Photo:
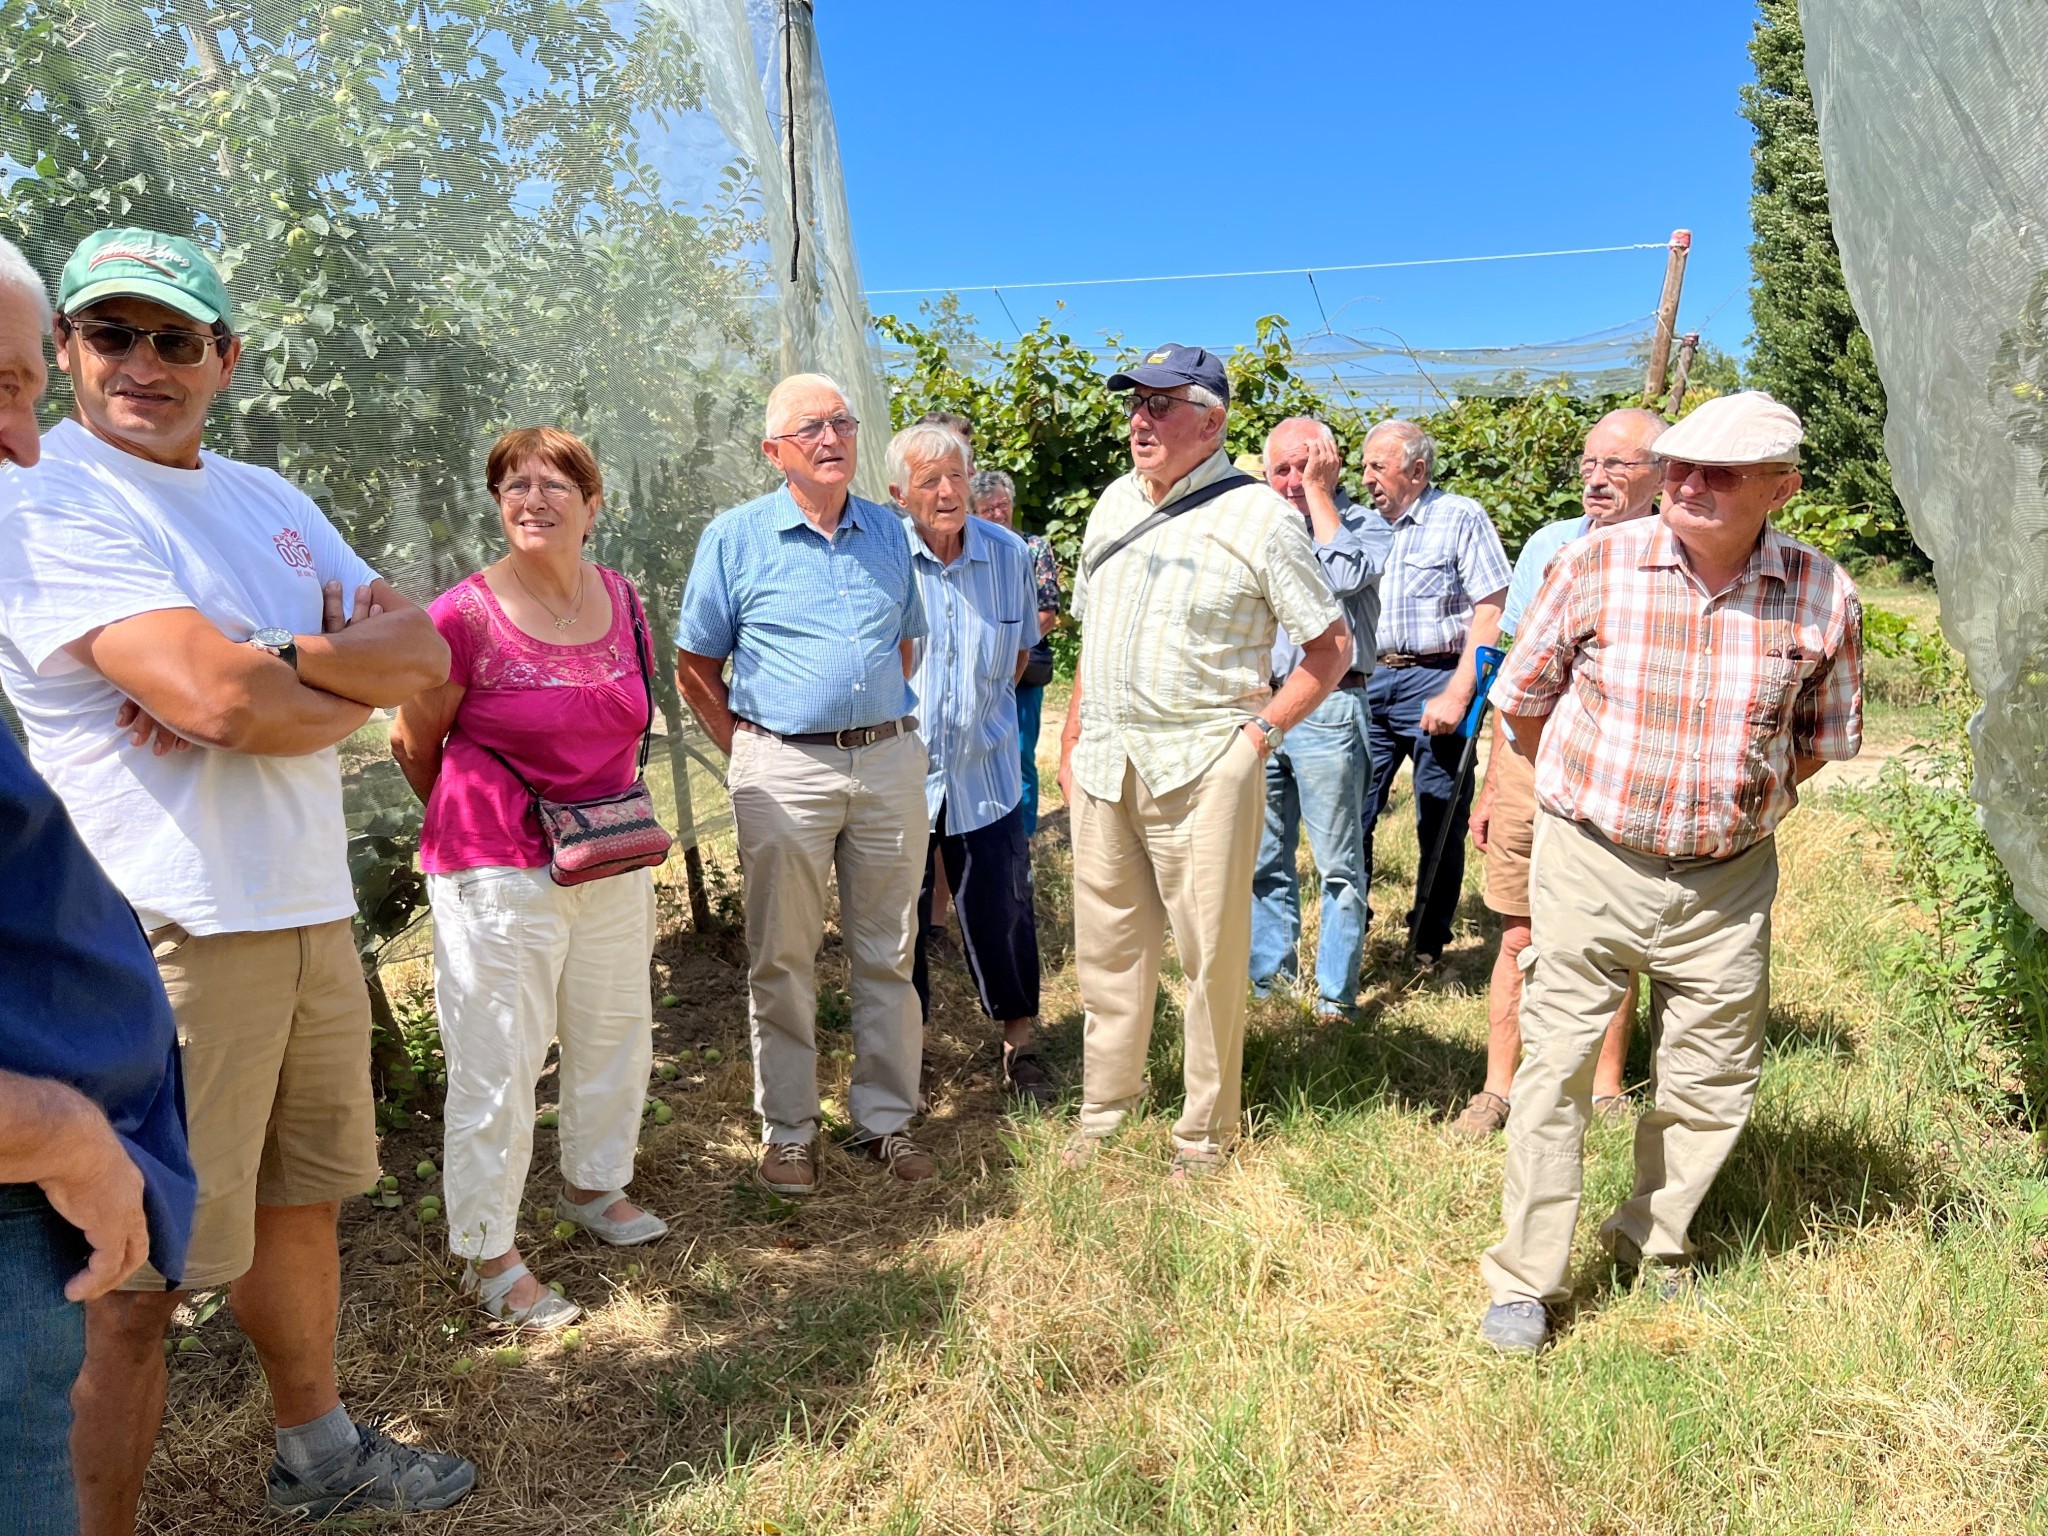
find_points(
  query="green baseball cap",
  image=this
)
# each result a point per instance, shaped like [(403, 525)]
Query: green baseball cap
[(144, 264)]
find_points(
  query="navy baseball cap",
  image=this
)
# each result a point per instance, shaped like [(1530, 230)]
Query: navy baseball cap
[(1172, 365)]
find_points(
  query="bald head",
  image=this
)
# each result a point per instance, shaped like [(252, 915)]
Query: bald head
[(1619, 472)]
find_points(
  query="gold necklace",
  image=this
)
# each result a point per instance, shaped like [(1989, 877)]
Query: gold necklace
[(560, 623)]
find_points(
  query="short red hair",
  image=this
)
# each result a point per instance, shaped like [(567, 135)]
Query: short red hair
[(552, 446)]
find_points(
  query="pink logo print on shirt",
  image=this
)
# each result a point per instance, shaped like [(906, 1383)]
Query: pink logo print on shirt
[(292, 549)]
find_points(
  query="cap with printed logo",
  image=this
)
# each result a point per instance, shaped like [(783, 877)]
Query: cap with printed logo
[(1172, 365), (1748, 427), (144, 264)]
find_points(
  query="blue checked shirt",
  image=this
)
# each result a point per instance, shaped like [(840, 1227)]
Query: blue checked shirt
[(983, 610), (1353, 561), (1446, 557), (812, 625)]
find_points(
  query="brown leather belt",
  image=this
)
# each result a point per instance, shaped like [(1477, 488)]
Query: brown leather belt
[(846, 741), (1400, 659)]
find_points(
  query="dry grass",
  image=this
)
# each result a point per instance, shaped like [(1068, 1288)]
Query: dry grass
[(1284, 1348)]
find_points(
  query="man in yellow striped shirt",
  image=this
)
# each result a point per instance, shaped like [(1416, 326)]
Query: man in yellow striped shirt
[(1163, 752)]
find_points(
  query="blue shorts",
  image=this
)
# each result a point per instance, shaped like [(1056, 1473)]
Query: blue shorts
[(42, 1345)]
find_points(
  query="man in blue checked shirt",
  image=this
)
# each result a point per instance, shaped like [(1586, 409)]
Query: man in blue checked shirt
[(808, 592), (1440, 600), (1321, 775), (980, 601)]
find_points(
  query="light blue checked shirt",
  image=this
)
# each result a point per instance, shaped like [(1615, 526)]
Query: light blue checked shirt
[(812, 625), (983, 610), (1446, 557), (1353, 561)]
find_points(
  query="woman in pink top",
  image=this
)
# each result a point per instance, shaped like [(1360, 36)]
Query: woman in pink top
[(548, 658)]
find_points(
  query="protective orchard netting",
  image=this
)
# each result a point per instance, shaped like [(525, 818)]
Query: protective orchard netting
[(443, 218), (1934, 133)]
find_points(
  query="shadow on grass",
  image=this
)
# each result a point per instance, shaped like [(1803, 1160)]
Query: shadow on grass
[(1800, 1182)]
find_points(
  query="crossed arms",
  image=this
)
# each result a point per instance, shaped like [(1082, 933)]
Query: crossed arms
[(188, 683)]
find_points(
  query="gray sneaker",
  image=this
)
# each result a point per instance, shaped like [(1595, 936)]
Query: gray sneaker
[(1666, 1281), (382, 1474), (1515, 1327)]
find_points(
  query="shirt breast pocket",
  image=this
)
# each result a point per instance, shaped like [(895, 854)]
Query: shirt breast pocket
[(1435, 583), (1001, 641)]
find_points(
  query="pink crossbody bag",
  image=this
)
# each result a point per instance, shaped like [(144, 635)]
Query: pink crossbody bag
[(590, 839)]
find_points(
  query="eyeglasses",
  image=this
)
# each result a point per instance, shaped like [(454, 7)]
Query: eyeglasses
[(1719, 478), (1159, 407), (1612, 468), (556, 491), (113, 341), (809, 433)]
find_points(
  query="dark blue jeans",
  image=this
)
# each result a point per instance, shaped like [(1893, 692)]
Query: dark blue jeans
[(1030, 709), (989, 873), (42, 1345), (1397, 696)]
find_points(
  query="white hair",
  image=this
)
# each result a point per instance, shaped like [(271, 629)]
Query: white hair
[(1205, 397), (778, 411), (18, 275), (1318, 429), (925, 442), (1417, 446)]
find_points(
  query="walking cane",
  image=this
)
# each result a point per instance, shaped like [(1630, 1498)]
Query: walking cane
[(1486, 661)]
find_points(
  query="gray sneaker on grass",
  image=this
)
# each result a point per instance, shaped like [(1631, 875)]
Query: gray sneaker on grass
[(1515, 1327), (379, 1474)]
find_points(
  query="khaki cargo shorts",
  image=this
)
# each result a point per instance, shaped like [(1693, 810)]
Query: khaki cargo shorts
[(274, 1035), (1511, 779)]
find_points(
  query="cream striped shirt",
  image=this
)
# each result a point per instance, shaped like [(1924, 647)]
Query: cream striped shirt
[(1178, 627)]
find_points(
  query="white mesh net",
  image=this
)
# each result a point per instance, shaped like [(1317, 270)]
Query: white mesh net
[(1935, 138), (442, 218)]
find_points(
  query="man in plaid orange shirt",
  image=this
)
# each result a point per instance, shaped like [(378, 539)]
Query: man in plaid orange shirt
[(1675, 680)]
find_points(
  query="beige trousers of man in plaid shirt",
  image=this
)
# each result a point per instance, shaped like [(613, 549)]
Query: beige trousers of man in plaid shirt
[(1700, 929)]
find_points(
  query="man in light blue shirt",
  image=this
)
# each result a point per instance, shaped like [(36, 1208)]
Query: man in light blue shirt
[(1620, 475), (809, 592), (1321, 772), (980, 600)]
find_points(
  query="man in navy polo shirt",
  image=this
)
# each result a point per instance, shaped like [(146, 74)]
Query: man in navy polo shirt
[(808, 590), (94, 1172)]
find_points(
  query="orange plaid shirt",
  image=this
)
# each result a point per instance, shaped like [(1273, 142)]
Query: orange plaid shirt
[(1676, 713)]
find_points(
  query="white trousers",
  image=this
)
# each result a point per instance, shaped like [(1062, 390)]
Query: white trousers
[(520, 961)]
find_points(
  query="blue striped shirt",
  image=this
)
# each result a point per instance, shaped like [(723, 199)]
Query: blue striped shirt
[(1446, 558), (983, 610), (812, 624)]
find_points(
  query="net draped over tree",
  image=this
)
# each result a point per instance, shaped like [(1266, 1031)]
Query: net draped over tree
[(1936, 149), (443, 218)]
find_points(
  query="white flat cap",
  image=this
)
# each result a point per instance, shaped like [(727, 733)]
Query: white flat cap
[(1744, 428)]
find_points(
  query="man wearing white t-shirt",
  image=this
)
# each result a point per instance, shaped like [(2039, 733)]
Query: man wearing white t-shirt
[(186, 639)]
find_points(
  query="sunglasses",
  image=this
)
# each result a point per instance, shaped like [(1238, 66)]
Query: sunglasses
[(1159, 407), (1719, 478), (114, 341)]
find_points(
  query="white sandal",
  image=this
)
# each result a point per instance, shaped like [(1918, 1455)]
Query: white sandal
[(548, 1312), (644, 1228)]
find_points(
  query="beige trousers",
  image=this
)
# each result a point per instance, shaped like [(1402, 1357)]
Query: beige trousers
[(1701, 931), (1139, 863), (800, 813)]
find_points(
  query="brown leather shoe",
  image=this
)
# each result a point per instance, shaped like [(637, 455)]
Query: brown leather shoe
[(788, 1169), (1025, 1076), (1485, 1115), (904, 1158)]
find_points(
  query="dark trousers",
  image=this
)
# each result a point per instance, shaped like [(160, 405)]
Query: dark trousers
[(989, 871), (42, 1346), (1397, 695)]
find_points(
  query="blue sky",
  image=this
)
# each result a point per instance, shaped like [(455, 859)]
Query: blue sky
[(1004, 142)]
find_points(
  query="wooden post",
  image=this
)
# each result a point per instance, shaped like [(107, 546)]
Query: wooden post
[(1688, 349), (1667, 317)]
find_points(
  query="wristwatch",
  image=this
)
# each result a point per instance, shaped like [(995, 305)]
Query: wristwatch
[(1270, 731), (279, 642)]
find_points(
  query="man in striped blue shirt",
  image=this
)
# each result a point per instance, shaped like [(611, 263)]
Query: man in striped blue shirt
[(808, 591), (980, 601)]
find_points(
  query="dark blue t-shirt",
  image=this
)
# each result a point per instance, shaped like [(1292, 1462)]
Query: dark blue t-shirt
[(80, 999)]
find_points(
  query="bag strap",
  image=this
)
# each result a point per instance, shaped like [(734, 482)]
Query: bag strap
[(646, 680), (1166, 514)]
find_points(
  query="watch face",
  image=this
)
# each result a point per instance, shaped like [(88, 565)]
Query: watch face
[(272, 637)]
